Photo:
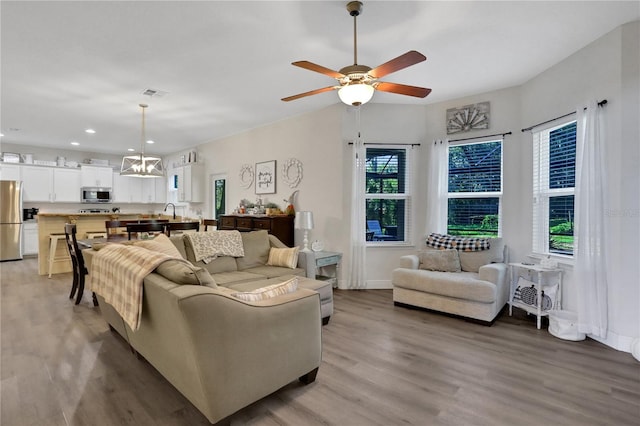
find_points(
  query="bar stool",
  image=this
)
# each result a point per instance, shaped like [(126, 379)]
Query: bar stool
[(96, 234), (53, 246)]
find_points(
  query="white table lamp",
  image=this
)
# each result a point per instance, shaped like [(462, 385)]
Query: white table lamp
[(304, 221)]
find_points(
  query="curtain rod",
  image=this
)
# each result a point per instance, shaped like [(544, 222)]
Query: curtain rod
[(480, 137), (398, 144), (601, 103)]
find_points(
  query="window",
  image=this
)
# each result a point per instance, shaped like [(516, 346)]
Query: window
[(475, 189), (554, 173), (387, 195)]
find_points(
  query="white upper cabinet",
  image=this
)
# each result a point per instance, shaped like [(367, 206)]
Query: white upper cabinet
[(10, 172), (190, 183), (51, 184), (97, 176)]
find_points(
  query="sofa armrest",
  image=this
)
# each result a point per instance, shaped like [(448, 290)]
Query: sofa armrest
[(493, 272), (410, 261), (247, 350)]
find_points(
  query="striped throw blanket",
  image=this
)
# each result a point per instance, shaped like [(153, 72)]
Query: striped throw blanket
[(209, 245), (117, 274)]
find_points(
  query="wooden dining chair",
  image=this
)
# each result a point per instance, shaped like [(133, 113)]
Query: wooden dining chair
[(133, 228), (77, 262), (181, 226), (209, 222)]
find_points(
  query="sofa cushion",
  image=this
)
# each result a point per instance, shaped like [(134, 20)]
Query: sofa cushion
[(226, 279), (256, 249), (160, 243), (461, 285), (268, 292), (178, 241), (440, 260), (471, 261), (181, 272), (285, 257), (276, 271), (218, 265)]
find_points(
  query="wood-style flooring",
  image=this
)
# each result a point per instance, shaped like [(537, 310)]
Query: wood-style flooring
[(382, 365)]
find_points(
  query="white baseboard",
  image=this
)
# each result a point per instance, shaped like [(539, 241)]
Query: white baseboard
[(379, 285), (615, 341)]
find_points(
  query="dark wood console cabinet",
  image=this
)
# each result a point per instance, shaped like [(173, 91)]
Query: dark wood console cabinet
[(279, 226)]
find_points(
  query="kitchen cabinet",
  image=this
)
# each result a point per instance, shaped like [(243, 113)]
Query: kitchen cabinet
[(97, 176), (30, 238), (128, 189), (154, 190), (10, 172), (51, 184), (190, 183)]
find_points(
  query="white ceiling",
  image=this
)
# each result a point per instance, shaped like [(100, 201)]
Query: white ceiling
[(68, 66)]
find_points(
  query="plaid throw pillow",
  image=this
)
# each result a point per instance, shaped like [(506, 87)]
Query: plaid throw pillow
[(441, 241)]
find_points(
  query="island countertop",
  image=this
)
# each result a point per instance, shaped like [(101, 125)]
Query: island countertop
[(53, 223)]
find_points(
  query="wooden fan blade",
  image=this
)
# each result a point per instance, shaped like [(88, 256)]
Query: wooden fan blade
[(318, 68), (313, 92), (410, 58), (402, 89)]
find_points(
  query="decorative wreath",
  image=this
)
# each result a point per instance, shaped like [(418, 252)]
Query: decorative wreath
[(292, 172), (246, 176)]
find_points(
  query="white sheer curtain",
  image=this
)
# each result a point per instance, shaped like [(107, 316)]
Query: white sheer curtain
[(357, 274), (590, 246), (438, 187)]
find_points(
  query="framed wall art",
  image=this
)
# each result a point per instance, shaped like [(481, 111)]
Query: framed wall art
[(468, 117), (266, 177)]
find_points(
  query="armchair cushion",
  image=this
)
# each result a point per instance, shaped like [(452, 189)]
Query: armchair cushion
[(440, 260), (471, 261)]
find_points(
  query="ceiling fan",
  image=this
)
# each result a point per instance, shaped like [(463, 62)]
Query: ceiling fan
[(358, 82)]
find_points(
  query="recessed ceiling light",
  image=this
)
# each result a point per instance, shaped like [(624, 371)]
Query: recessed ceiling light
[(150, 141), (130, 149), (1, 135), (74, 143), (90, 131)]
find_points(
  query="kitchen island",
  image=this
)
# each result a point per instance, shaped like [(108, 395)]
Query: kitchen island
[(53, 223)]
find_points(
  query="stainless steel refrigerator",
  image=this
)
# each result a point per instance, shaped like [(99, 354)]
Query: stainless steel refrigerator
[(10, 220)]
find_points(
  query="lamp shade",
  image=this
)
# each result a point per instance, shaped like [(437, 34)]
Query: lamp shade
[(356, 94), (141, 165), (304, 220)]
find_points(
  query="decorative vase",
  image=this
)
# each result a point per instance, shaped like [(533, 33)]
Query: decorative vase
[(290, 211)]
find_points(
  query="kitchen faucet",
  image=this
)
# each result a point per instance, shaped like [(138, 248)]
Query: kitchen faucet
[(174, 209)]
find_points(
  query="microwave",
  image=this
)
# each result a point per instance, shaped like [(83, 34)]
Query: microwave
[(95, 195)]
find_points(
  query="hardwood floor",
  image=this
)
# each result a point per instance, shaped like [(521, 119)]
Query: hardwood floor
[(382, 365)]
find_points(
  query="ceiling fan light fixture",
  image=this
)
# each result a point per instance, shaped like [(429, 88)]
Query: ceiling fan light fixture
[(356, 94), (141, 165)]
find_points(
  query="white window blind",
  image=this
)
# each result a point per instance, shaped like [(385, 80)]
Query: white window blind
[(388, 194), (475, 188), (554, 164)]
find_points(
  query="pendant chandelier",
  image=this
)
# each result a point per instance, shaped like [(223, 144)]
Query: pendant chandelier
[(141, 165)]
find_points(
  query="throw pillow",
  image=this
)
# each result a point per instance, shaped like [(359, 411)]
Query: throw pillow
[(286, 257), (440, 260), (161, 244), (181, 272), (268, 292)]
